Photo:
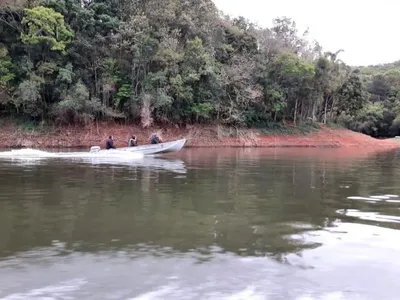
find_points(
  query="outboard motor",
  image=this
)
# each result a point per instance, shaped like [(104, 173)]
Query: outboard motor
[(94, 149)]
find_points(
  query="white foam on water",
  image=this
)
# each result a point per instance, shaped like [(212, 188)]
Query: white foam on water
[(160, 293), (393, 201), (29, 153), (361, 198), (369, 216), (380, 197), (58, 291), (326, 296), (301, 225), (248, 293), (171, 292), (386, 198)]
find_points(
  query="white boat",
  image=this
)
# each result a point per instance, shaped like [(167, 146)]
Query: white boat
[(150, 149)]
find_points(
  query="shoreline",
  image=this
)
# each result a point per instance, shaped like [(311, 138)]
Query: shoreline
[(198, 136)]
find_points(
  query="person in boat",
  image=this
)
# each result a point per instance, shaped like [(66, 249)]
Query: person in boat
[(132, 141), (110, 143), (155, 139)]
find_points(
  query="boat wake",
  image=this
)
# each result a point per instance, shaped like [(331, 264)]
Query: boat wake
[(34, 153), (26, 153), (114, 157)]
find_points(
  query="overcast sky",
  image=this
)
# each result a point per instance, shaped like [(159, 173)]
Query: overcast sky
[(368, 31)]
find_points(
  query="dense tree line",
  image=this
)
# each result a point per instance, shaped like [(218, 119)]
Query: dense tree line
[(175, 61), (380, 116)]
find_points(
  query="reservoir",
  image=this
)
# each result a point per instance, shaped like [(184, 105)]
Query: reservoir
[(281, 224)]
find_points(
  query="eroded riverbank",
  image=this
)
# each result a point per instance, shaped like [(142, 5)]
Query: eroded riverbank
[(12, 135)]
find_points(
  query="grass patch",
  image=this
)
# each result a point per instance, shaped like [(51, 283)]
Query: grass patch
[(28, 125), (268, 129), (281, 129), (31, 126), (335, 125)]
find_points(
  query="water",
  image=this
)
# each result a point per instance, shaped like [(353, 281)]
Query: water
[(202, 224)]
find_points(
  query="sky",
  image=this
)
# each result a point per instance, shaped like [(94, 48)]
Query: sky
[(367, 31)]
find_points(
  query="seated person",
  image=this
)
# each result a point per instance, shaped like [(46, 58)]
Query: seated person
[(155, 139), (110, 143), (132, 141)]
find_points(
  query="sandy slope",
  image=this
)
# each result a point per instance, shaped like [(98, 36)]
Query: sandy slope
[(198, 136)]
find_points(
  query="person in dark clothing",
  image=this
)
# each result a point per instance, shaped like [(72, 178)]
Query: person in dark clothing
[(110, 143), (155, 139), (132, 141)]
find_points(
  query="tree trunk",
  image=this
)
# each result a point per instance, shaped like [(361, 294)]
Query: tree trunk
[(313, 110), (295, 112), (326, 108), (96, 84), (331, 112)]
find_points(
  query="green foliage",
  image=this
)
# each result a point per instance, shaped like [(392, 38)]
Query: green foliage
[(44, 25), (76, 107), (352, 96), (382, 113), (65, 75), (182, 62), (202, 110), (123, 95), (28, 98), (369, 118), (6, 65)]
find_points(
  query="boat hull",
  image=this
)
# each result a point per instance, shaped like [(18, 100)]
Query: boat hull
[(152, 149)]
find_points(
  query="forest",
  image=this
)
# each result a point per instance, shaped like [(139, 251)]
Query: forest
[(180, 62)]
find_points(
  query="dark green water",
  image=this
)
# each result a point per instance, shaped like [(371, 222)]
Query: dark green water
[(202, 224)]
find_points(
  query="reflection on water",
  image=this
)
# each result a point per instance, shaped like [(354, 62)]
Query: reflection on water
[(375, 211), (29, 157), (239, 224)]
